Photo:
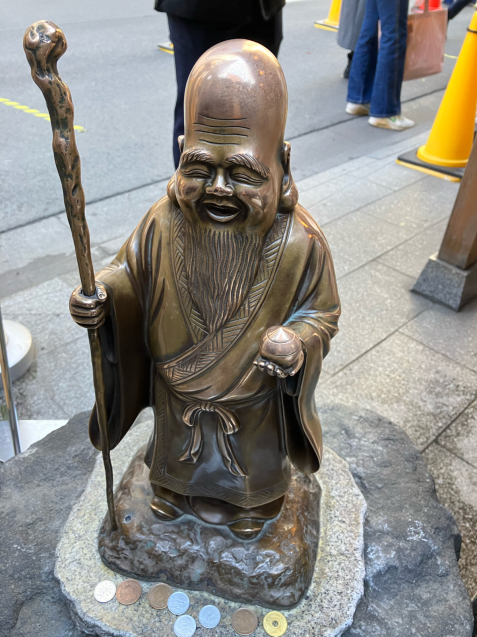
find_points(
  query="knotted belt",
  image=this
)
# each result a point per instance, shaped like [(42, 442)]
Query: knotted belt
[(226, 426)]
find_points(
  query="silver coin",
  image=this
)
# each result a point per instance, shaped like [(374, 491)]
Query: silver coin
[(185, 626), (105, 591), (178, 603), (209, 616)]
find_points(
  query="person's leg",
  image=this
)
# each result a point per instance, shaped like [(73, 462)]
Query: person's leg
[(363, 66), (456, 8), (268, 33), (386, 96)]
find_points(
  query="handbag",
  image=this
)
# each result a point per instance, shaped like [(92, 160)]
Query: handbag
[(426, 39)]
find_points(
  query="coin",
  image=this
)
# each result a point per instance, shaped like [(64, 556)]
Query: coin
[(244, 621), (209, 616), (105, 591), (178, 603), (275, 624), (158, 596), (128, 592), (185, 626)]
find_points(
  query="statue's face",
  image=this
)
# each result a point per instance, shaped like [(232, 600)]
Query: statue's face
[(229, 176)]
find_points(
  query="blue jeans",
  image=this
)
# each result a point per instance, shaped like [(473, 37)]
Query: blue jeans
[(376, 75)]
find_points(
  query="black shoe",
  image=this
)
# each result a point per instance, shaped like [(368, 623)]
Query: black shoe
[(348, 66)]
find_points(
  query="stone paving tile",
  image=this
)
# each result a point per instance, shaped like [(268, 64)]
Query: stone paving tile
[(119, 215), (456, 485), (375, 302), (401, 146), (395, 176), (332, 173), (38, 240), (359, 238), (325, 190), (66, 374), (32, 400), (451, 333), (417, 207), (347, 200), (44, 311), (411, 257), (461, 436), (415, 387)]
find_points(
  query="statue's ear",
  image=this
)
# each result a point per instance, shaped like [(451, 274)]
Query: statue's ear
[(171, 186), (289, 197)]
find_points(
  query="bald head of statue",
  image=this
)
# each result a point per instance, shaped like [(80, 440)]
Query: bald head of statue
[(234, 172)]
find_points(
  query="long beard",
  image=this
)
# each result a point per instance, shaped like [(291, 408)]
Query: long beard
[(220, 268)]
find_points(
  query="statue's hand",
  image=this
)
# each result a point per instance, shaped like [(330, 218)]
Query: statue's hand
[(89, 311), (281, 352)]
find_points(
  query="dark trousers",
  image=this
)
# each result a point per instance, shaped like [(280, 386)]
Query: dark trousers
[(192, 39), (376, 72)]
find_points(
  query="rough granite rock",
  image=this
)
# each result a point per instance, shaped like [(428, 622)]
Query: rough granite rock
[(189, 554), (37, 492), (328, 606), (412, 585)]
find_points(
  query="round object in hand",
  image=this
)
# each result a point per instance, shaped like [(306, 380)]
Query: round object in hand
[(282, 343)]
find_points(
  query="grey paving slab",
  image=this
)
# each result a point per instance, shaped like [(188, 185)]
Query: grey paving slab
[(65, 374), (44, 311), (375, 302), (411, 257), (395, 176), (453, 334), (323, 191), (32, 400), (415, 387), (336, 171), (461, 436), (47, 238), (456, 485), (358, 238), (348, 199), (421, 205)]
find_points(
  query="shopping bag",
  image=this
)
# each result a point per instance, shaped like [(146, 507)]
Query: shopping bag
[(426, 39)]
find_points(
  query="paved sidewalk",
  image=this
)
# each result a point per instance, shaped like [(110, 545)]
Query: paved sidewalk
[(397, 353)]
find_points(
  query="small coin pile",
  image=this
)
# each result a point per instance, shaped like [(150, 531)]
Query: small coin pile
[(244, 620)]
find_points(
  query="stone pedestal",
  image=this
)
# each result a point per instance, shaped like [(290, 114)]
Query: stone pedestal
[(412, 580), (189, 554), (211, 557)]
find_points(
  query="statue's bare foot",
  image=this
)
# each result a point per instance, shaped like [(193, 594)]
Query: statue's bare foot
[(164, 510), (247, 529)]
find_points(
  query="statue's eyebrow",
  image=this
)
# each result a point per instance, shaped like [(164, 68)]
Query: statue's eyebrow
[(194, 154), (240, 159)]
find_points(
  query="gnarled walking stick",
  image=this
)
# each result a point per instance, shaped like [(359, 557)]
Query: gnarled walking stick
[(44, 44)]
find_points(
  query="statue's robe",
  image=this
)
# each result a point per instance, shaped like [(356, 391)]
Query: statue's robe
[(223, 429)]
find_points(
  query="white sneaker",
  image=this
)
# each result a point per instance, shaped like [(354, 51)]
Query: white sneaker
[(398, 122), (357, 109)]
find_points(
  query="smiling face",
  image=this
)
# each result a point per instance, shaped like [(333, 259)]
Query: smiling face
[(231, 174)]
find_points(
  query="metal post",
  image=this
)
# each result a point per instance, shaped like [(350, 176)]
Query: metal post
[(7, 386)]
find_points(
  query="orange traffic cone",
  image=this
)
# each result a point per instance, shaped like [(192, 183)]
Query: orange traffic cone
[(450, 141), (331, 23)]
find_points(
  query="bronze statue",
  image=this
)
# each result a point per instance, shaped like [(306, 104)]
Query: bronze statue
[(219, 309)]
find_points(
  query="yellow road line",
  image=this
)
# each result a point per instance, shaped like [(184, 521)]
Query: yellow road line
[(451, 57), (34, 111)]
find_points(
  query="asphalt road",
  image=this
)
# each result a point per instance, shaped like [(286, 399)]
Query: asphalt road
[(123, 89)]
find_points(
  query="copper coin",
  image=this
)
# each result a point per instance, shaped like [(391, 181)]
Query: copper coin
[(128, 592), (158, 596), (244, 621)]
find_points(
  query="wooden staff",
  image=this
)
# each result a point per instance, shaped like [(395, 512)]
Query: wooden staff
[(44, 44)]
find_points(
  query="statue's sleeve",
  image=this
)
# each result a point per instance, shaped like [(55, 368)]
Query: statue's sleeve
[(315, 319), (126, 361)]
